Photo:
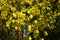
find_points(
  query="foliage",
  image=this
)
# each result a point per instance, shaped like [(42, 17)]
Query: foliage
[(37, 16)]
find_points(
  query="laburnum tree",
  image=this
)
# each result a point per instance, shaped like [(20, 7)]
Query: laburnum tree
[(11, 20), (29, 19)]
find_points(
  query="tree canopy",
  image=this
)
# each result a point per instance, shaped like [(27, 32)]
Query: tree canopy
[(29, 19)]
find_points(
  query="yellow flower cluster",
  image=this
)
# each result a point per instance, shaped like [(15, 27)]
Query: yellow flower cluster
[(13, 14)]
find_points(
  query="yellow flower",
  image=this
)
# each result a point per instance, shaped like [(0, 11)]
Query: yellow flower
[(31, 16), (51, 22), (41, 15), (22, 23), (16, 28), (58, 14), (42, 39), (7, 25), (35, 21), (37, 31), (45, 33), (28, 19), (30, 38), (29, 27), (14, 14), (10, 1), (13, 9), (13, 21), (29, 2), (48, 8), (40, 4), (7, 22), (28, 12)]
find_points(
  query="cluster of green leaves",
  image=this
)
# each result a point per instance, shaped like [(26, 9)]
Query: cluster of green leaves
[(35, 15)]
